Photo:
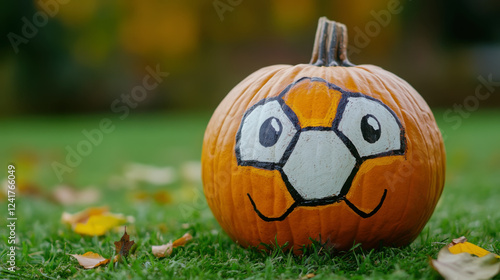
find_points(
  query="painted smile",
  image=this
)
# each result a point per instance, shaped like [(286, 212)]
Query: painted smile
[(326, 202), (318, 163)]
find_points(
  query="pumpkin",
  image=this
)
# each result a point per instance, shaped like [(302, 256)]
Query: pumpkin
[(326, 151)]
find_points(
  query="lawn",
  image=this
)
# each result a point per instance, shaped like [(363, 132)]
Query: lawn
[(469, 205)]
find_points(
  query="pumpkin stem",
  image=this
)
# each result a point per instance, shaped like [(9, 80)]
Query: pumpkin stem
[(330, 45)]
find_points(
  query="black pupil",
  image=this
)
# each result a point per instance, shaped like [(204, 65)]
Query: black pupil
[(270, 132), (370, 127)]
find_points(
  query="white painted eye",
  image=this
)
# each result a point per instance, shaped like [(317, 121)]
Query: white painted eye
[(265, 133), (372, 127)]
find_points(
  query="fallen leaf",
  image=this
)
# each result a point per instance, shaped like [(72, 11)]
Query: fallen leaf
[(162, 227), (137, 172), (460, 245), (162, 250), (90, 260), (100, 224), (456, 241), (123, 246), (187, 193), (29, 162), (191, 171), (30, 188), (465, 266), (140, 195), (162, 197), (94, 221), (308, 276), (183, 240), (71, 196), (82, 216), (166, 249)]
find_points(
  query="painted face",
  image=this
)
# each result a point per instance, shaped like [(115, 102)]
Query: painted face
[(317, 151)]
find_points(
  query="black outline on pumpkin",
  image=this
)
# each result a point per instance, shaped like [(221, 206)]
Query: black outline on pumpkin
[(299, 200)]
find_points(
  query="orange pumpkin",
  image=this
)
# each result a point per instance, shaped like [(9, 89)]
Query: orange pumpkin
[(327, 151)]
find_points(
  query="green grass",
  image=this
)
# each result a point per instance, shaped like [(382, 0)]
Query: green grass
[(469, 206)]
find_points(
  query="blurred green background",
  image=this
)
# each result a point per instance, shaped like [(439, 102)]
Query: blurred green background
[(82, 55), (65, 65)]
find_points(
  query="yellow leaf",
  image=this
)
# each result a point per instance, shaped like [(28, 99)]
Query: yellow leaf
[(82, 216), (469, 248), (460, 245), (94, 220), (100, 224), (90, 260)]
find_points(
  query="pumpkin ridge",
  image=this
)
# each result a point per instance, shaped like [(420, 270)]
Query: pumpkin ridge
[(251, 214), (431, 164), (217, 144), (276, 201), (432, 181), (235, 107), (217, 202), (410, 188), (396, 100), (229, 178), (249, 211), (292, 242), (398, 81), (411, 102)]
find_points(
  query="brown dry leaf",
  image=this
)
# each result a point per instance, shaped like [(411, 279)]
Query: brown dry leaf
[(456, 241), (308, 276), (140, 195), (163, 227), (29, 162), (30, 188), (183, 240), (166, 249), (25, 188), (123, 246), (465, 266), (162, 197), (90, 260)]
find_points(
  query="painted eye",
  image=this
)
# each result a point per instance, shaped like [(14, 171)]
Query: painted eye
[(270, 132), (265, 133), (372, 127)]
